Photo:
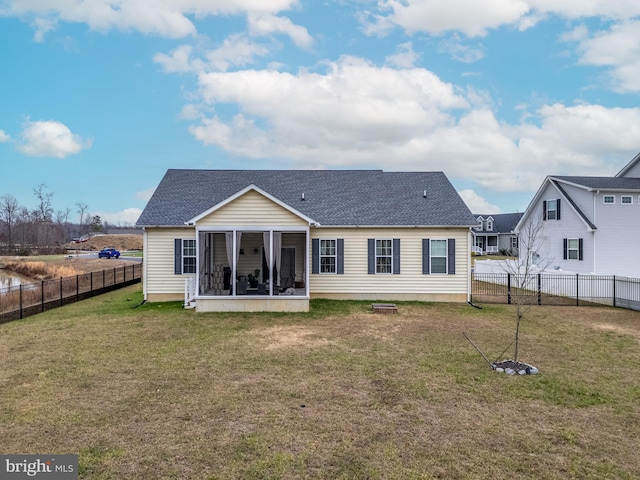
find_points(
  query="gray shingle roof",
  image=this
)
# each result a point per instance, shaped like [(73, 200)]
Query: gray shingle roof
[(604, 183), (332, 197), (502, 222)]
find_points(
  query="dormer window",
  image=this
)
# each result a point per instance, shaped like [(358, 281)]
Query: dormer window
[(490, 224), (480, 220)]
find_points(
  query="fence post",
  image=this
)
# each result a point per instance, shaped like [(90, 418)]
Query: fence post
[(103, 280), (614, 290), (539, 290), (60, 291), (114, 276), (91, 282), (577, 293), (42, 296), (77, 288), (509, 288), (20, 301)]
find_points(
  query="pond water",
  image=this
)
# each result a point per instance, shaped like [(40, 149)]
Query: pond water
[(10, 279)]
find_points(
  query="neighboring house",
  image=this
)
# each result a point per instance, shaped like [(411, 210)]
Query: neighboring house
[(342, 234), (495, 233), (588, 224)]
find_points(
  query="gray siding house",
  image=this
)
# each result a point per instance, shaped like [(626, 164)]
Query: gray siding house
[(495, 233), (588, 224)]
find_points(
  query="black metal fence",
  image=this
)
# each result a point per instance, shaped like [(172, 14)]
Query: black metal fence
[(28, 299), (552, 289)]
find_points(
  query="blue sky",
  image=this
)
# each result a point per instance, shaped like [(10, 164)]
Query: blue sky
[(98, 98)]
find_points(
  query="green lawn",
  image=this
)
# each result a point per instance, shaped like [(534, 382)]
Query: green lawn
[(154, 391)]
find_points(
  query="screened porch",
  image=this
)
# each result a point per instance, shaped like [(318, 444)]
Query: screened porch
[(252, 263)]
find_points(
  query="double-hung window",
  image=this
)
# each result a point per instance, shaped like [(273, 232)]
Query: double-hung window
[(328, 256), (384, 256), (572, 249), (438, 256), (552, 209), (188, 256)]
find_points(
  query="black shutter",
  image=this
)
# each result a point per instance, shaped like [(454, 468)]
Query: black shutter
[(396, 256), (558, 209), (544, 210), (564, 248), (340, 256), (451, 254), (580, 257), (371, 255), (177, 256), (425, 255), (315, 255)]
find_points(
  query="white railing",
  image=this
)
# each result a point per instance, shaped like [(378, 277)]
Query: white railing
[(477, 250), (189, 292), (492, 249)]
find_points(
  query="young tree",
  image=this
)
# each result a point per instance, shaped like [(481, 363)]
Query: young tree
[(523, 272)]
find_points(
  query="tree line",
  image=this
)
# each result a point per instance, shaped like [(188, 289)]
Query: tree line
[(43, 226)]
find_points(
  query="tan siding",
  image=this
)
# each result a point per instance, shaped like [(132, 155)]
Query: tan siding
[(159, 278), (252, 208), (410, 281)]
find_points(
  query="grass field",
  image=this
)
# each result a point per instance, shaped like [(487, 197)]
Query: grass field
[(154, 391)]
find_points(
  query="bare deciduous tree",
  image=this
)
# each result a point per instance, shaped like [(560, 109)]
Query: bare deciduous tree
[(9, 214)]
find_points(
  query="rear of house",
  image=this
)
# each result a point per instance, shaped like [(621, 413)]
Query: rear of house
[(237, 240)]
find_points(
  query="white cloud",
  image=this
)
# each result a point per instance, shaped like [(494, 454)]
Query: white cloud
[(50, 139), (145, 195), (357, 114), (405, 57), (617, 48), (168, 18), (235, 51), (459, 51), (266, 24), (476, 203), (471, 17), (128, 216), (474, 18), (4, 137)]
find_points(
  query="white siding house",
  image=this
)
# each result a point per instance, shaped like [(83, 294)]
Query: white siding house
[(589, 224), (271, 240)]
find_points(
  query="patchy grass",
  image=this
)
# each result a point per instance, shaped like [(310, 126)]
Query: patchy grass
[(155, 391), (46, 267)]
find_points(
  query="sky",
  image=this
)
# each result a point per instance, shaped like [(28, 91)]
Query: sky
[(98, 98)]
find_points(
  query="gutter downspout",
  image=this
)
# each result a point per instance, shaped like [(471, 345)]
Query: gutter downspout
[(594, 232)]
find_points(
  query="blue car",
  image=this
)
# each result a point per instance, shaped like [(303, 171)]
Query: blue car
[(108, 253)]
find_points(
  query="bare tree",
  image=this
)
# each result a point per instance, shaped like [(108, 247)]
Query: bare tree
[(9, 213), (82, 209), (44, 210)]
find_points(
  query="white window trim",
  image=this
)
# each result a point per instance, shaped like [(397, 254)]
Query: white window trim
[(489, 224), (334, 256), (194, 256), (480, 223), (604, 197), (555, 210), (376, 256), (446, 255), (630, 197), (576, 249), (514, 240)]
